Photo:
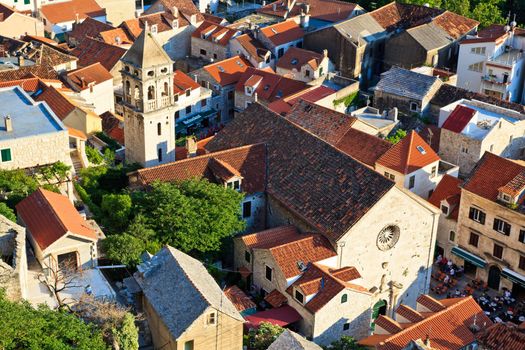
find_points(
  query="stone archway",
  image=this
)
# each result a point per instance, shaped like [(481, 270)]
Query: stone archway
[(494, 277)]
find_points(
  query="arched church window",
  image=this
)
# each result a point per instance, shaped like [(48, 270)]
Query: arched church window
[(159, 129), (137, 92), (151, 92), (166, 89), (128, 88)]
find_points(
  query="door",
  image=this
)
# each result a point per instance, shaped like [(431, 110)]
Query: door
[(470, 269), (494, 277), (378, 309)]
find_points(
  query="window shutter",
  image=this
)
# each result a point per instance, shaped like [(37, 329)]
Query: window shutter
[(495, 225), (482, 218)]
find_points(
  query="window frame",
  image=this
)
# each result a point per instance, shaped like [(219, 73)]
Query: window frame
[(411, 182), (479, 218), (452, 236), (247, 256), (521, 263), (501, 226), (268, 271), (245, 205), (500, 249), (296, 293), (344, 298), (473, 238), (2, 155)]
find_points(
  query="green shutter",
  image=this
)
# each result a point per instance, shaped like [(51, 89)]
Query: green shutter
[(6, 155), (27, 2)]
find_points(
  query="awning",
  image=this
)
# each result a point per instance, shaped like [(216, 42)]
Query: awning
[(513, 276), (281, 316), (476, 260)]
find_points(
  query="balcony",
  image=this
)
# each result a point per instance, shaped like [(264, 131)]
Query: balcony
[(494, 80), (446, 168), (508, 58)]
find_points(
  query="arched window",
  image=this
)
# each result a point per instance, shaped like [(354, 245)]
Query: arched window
[(344, 298), (137, 92), (151, 92), (166, 89), (128, 88), (159, 129), (159, 154)]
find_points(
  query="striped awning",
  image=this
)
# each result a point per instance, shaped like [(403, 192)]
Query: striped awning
[(474, 259), (513, 276)]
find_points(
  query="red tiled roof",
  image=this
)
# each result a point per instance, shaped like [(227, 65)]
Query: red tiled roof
[(89, 27), (283, 32), (388, 324), (295, 58), (363, 147), (276, 299), (211, 18), (69, 10), (326, 10), (408, 155), (308, 248), (49, 216), (459, 118), (450, 328), (28, 84), (270, 238), (272, 86), (182, 82), (5, 12), (482, 180), (181, 152), (409, 313), (228, 71), (253, 46), (249, 161), (117, 36), (187, 7), (222, 170), (113, 127), (281, 316), (91, 51), (455, 25), (398, 15), (58, 103), (313, 94), (214, 32), (430, 303), (239, 299), (76, 133), (502, 336), (515, 186), (320, 280), (81, 78), (447, 189)]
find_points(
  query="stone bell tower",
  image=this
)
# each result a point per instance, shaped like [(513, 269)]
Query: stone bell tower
[(149, 123)]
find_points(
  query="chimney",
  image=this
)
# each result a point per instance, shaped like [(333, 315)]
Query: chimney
[(325, 53), (82, 82), (8, 123), (255, 97), (191, 146), (427, 341), (392, 114), (195, 77), (175, 12), (77, 18), (304, 19), (21, 61), (288, 5), (193, 19)]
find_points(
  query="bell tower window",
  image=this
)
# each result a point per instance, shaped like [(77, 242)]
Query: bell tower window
[(151, 92)]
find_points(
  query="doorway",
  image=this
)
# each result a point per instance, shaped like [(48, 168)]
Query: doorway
[(470, 269), (518, 291), (379, 308), (494, 277), (68, 261)]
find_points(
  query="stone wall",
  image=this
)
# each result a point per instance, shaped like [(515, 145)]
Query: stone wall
[(13, 273), (213, 51)]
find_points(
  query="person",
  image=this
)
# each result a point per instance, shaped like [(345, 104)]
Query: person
[(439, 258), (447, 279), (457, 293), (452, 272), (507, 294)]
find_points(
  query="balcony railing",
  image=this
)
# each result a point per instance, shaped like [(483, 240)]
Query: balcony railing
[(491, 79)]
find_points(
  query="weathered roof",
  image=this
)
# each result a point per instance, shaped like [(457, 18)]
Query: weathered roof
[(325, 10), (187, 7), (91, 51), (363, 147), (430, 36), (71, 10), (363, 27), (239, 299), (292, 341), (227, 71), (271, 237), (283, 32), (311, 94), (214, 32), (180, 289), (81, 78), (447, 189), (325, 187), (295, 58), (50, 216), (58, 103), (408, 155), (89, 27), (253, 47), (146, 52), (406, 83), (502, 336)]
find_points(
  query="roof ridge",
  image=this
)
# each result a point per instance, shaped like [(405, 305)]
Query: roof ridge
[(299, 239), (431, 317), (43, 192), (409, 152)]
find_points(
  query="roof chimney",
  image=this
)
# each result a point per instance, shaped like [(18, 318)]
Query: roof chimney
[(191, 146), (175, 12), (274, 7), (8, 123), (193, 19), (77, 18), (427, 341), (21, 61)]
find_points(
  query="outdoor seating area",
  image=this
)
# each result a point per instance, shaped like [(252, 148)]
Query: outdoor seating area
[(449, 281)]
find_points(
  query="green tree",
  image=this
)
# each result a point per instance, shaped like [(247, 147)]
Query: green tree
[(7, 212), (263, 337), (15, 185), (461, 7), (24, 327), (194, 215), (127, 334), (116, 209), (398, 136), (488, 12), (93, 155), (345, 343)]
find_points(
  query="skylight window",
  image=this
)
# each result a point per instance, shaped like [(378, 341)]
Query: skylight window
[(294, 61), (220, 68), (421, 150), (266, 87), (274, 31)]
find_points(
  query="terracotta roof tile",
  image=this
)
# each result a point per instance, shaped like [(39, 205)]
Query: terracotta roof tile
[(482, 180), (91, 51), (319, 280), (451, 328), (272, 237), (363, 147), (409, 313), (28, 84), (81, 78), (502, 336), (276, 299), (447, 189), (69, 10), (283, 32), (313, 94), (181, 152), (323, 186), (388, 324), (89, 27), (408, 155), (326, 10), (187, 7), (76, 133), (254, 47), (228, 71), (49, 216), (430, 303), (5, 12), (116, 36), (307, 248), (515, 186), (214, 32), (182, 82), (249, 161), (455, 25), (58, 103), (295, 58), (398, 15), (239, 299), (222, 170), (459, 118), (113, 127)]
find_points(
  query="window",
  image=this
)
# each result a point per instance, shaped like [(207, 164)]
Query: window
[(280, 52), (204, 102), (177, 114), (188, 109), (188, 345), (6, 155), (414, 106), (27, 2), (477, 215), (247, 209), (344, 298), (321, 71), (501, 226), (307, 73), (433, 171), (452, 236), (522, 236), (412, 182), (389, 176), (476, 67), (211, 318), (215, 56), (346, 326), (498, 251), (159, 129), (230, 95), (247, 256), (521, 264), (159, 154), (188, 92), (478, 50), (268, 273), (473, 239), (491, 149), (444, 209), (299, 296), (464, 149), (176, 97), (203, 52)]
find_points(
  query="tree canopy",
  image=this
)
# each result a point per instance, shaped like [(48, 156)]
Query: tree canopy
[(345, 343), (263, 337), (23, 327)]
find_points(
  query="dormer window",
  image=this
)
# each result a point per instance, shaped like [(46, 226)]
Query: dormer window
[(212, 318), (234, 184), (175, 24), (444, 209), (299, 296), (248, 90), (154, 29)]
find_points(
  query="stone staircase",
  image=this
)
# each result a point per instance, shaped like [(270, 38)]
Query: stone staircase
[(77, 163)]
